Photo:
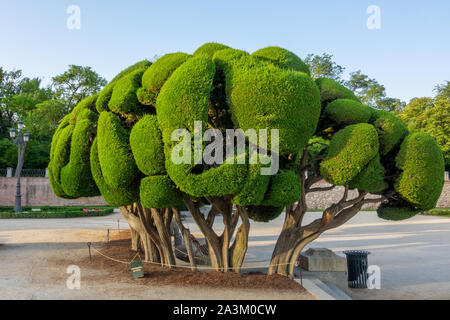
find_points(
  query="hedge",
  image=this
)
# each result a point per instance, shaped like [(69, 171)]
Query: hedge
[(391, 130), (116, 160), (350, 150), (422, 165), (371, 178), (282, 58), (346, 111), (263, 96), (263, 213), (331, 90), (155, 76), (284, 189), (210, 49), (122, 196), (159, 192), (147, 147)]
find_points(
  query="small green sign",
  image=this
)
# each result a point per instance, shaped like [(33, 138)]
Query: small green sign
[(137, 270)]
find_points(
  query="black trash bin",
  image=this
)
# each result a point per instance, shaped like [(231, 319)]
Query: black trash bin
[(357, 265)]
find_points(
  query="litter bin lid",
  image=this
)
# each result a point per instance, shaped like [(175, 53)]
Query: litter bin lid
[(356, 252)]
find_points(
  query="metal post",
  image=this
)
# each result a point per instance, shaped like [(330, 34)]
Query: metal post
[(18, 206)]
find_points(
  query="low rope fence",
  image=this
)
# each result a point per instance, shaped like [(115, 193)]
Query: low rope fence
[(178, 266)]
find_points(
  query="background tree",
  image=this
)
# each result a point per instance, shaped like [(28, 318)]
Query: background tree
[(119, 143), (432, 115), (77, 83), (324, 67)]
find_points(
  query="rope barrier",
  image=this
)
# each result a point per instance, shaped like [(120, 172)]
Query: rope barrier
[(185, 267)]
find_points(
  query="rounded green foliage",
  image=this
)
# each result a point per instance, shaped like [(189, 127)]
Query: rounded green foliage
[(284, 189), (331, 90), (146, 144), (145, 97), (224, 180), (159, 192), (350, 150), (347, 111), (155, 76), (371, 178), (60, 156), (391, 130), (282, 58), (105, 95), (76, 176), (263, 213), (422, 170), (396, 210), (113, 196), (255, 187), (116, 160), (85, 104), (263, 96), (184, 99), (209, 49), (123, 99)]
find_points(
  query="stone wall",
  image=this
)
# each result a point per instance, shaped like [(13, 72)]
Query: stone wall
[(37, 192), (322, 200)]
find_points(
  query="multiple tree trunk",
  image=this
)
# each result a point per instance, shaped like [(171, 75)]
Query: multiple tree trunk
[(150, 228)]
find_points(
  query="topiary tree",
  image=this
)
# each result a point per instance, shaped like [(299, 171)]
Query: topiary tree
[(128, 141)]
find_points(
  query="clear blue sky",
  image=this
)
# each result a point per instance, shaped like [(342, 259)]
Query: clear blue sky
[(409, 55)]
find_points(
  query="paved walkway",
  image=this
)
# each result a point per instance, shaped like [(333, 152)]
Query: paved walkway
[(414, 255)]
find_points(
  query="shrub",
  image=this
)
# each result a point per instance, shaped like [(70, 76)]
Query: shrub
[(350, 150), (209, 49), (105, 95), (263, 96), (159, 192), (347, 111), (76, 177), (282, 58), (391, 130), (264, 214), (396, 210), (284, 189), (371, 178), (122, 196), (422, 165), (85, 104), (123, 99), (145, 97), (331, 90), (116, 160), (254, 188), (155, 76), (60, 158), (146, 145)]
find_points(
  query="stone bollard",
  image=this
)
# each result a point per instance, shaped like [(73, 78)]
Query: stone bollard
[(447, 176), (9, 172), (322, 260), (46, 172)]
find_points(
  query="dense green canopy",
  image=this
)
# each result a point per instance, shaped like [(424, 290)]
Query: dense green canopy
[(119, 142)]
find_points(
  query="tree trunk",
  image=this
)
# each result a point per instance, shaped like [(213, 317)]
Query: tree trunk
[(223, 257), (149, 234)]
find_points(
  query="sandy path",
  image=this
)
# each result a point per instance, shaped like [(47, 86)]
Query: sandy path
[(33, 265)]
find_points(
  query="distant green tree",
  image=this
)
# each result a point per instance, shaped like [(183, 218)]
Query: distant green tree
[(432, 115), (77, 83), (324, 67)]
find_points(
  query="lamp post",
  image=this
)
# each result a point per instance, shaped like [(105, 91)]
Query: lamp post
[(21, 141)]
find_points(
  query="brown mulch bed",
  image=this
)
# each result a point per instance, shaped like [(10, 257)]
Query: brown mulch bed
[(120, 248)]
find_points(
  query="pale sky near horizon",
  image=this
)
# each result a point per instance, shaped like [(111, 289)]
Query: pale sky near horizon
[(409, 55)]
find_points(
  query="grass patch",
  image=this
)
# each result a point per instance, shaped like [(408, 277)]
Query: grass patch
[(54, 212), (444, 212)]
